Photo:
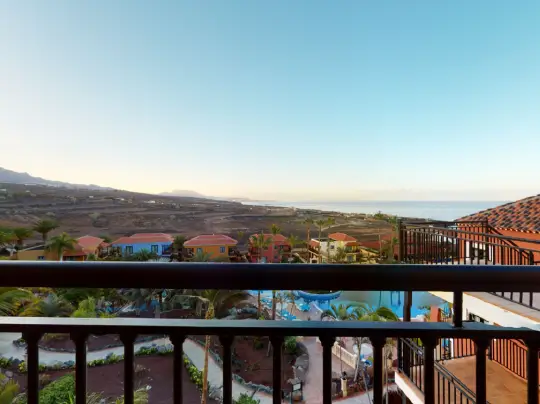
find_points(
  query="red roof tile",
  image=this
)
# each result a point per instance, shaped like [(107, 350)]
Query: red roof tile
[(210, 239), (522, 215), (145, 235), (341, 237), (89, 243)]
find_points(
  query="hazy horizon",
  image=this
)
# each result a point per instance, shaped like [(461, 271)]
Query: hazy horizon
[(280, 100)]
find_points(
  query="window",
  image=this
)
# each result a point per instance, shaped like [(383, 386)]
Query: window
[(332, 246), (199, 250), (349, 258), (41, 258), (222, 250), (69, 259), (129, 249), (154, 248), (164, 249)]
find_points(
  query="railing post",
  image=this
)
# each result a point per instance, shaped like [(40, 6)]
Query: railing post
[(458, 309), (178, 364), (378, 368), (429, 369), (401, 230), (277, 346), (481, 358), (407, 305), (226, 342), (32, 365), (532, 370), (80, 366), (128, 339), (327, 344)]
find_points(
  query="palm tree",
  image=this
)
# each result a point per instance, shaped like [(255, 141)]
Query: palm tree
[(144, 255), (10, 300), (240, 234), (218, 302), (140, 297), (308, 222), (293, 242), (329, 222), (8, 240), (290, 296), (61, 243), (44, 227), (260, 242), (51, 306), (201, 256), (178, 244), (320, 224), (106, 238), (364, 312), (341, 312), (21, 234)]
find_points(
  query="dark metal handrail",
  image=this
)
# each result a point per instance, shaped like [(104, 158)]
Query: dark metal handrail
[(278, 277)]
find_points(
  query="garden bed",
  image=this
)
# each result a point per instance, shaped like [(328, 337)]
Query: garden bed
[(109, 380), (251, 363)]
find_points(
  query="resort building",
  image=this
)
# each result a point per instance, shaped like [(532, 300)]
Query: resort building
[(278, 249), (158, 243), (84, 247), (505, 235), (217, 246), (337, 247)]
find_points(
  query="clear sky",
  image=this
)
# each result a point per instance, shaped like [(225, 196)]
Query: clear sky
[(275, 99)]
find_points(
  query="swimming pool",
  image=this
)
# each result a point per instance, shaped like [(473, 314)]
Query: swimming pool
[(392, 300)]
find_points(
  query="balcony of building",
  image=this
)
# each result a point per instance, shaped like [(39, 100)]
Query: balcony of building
[(280, 277), (475, 243)]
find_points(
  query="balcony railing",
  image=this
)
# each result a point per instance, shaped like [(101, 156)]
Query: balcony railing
[(274, 277), (474, 243)]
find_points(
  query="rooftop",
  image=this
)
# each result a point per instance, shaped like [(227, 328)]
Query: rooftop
[(522, 215), (341, 237), (142, 238), (276, 238), (210, 239), (89, 243)]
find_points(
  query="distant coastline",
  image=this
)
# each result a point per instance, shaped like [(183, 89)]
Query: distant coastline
[(439, 210)]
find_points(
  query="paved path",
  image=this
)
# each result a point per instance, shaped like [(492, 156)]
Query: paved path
[(193, 351)]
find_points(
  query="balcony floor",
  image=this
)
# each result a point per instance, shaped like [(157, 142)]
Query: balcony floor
[(502, 386)]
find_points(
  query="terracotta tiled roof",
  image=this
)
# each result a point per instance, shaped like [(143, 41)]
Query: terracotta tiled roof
[(352, 243), (341, 237), (210, 239), (145, 240), (89, 243), (522, 215), (278, 238), (314, 243)]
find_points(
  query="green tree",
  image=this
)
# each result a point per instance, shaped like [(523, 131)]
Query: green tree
[(144, 255), (106, 238), (21, 234), (364, 312), (329, 222), (10, 300), (260, 242), (340, 312), (201, 256), (293, 242), (178, 243), (50, 306), (60, 244), (8, 240), (44, 227), (139, 297), (320, 224), (308, 222), (9, 389), (218, 302), (340, 255)]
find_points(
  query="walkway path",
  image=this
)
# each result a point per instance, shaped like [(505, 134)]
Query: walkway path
[(193, 351)]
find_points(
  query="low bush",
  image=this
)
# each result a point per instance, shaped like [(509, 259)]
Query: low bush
[(58, 391), (290, 345), (245, 398)]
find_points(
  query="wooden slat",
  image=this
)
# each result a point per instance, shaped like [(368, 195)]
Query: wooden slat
[(178, 367)]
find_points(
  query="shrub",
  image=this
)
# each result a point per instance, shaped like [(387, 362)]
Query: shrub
[(44, 380), (245, 398), (290, 345), (58, 391), (5, 363), (257, 343)]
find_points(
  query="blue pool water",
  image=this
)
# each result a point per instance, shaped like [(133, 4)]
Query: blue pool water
[(392, 300)]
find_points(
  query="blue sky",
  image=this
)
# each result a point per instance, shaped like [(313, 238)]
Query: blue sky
[(277, 100)]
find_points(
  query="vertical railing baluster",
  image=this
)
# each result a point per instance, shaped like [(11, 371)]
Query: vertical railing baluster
[(481, 358), (458, 309), (32, 365), (277, 346), (327, 344), (178, 367), (378, 368), (128, 339), (429, 369), (532, 371), (80, 366), (226, 342)]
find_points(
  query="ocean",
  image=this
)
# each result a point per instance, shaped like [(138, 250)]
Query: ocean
[(438, 210)]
